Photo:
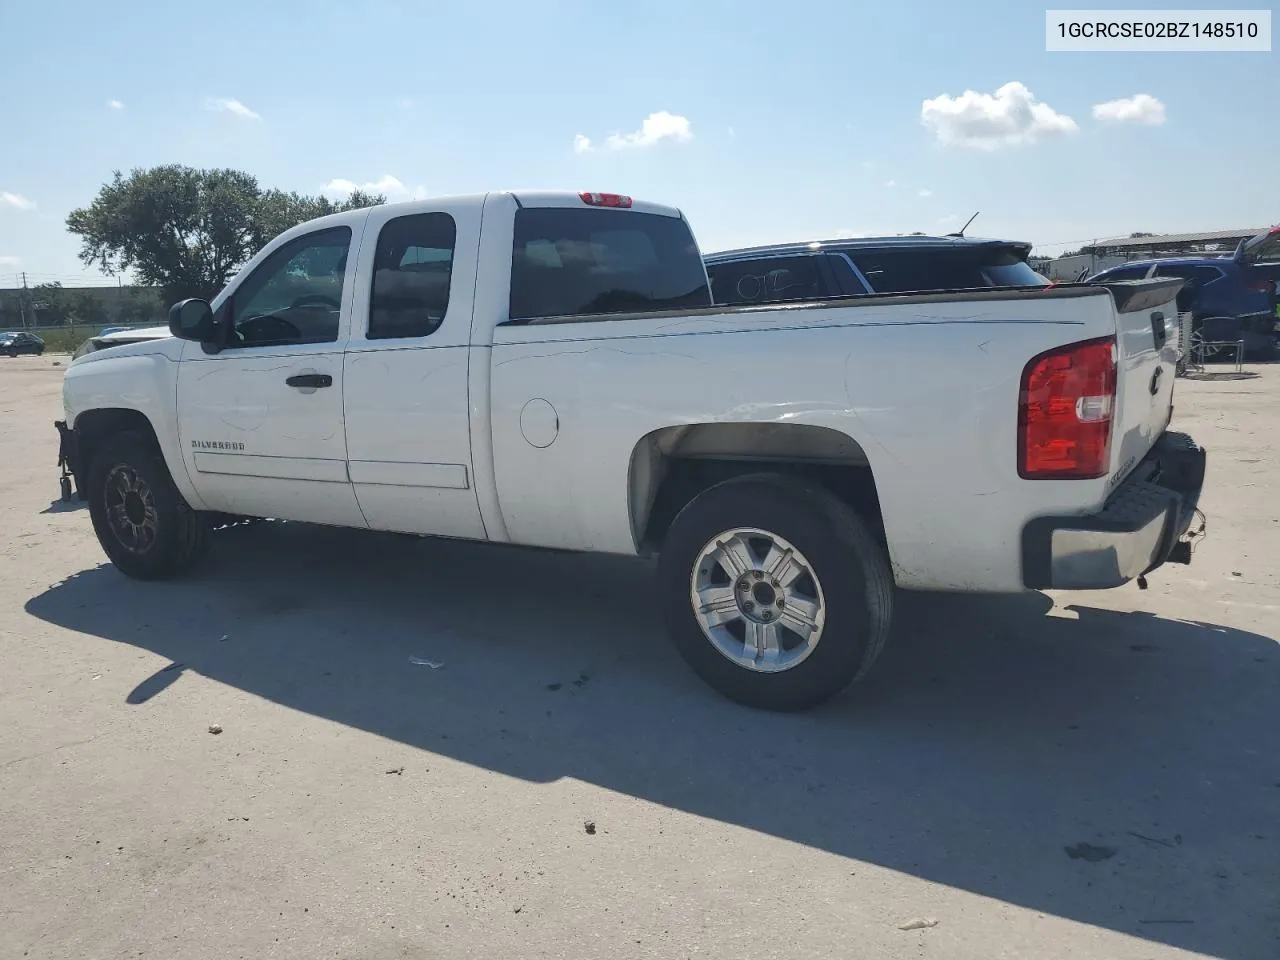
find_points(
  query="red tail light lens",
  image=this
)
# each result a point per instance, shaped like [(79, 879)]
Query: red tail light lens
[(1065, 410), (605, 200)]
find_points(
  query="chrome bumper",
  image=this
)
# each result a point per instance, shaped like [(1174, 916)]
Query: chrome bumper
[(1138, 529)]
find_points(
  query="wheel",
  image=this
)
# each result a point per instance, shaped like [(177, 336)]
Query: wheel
[(775, 592), (145, 527)]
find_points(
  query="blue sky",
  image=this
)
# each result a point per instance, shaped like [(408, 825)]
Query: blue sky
[(765, 121)]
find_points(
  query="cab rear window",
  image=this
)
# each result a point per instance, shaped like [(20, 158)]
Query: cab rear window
[(568, 262)]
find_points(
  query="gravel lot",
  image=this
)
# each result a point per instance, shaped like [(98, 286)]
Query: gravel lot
[(1082, 775)]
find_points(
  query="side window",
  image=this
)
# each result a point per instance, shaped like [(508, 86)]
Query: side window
[(567, 262), (1127, 273), (898, 271), (412, 268), (847, 281), (766, 280), (295, 295), (1185, 271)]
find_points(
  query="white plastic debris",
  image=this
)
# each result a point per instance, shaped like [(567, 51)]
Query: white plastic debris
[(919, 923), (420, 662)]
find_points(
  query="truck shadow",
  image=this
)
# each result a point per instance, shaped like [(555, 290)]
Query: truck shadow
[(997, 736)]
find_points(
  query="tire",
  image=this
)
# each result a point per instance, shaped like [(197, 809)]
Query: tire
[(846, 571), (178, 536)]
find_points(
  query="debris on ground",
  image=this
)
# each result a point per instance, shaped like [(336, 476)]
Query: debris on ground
[(518, 909), (215, 728), (398, 771), (1089, 853), (919, 923), (590, 827), (1177, 839), (554, 686), (420, 662), (582, 679), (224, 638)]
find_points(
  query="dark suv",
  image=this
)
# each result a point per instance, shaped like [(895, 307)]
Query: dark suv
[(1230, 299), (14, 343), (845, 268)]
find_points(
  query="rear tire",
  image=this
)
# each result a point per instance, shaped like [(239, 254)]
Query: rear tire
[(743, 536), (144, 525)]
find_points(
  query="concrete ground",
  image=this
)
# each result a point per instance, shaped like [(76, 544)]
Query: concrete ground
[(1084, 775)]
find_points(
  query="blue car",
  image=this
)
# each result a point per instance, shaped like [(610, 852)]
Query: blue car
[(1230, 298)]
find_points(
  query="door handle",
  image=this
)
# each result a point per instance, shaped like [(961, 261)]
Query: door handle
[(311, 380), (1158, 333)]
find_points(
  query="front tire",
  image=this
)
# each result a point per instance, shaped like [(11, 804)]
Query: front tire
[(775, 592), (144, 525)]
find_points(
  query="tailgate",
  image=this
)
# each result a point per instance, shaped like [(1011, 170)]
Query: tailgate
[(1147, 341)]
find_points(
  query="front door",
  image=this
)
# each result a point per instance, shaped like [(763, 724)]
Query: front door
[(408, 425), (261, 421)]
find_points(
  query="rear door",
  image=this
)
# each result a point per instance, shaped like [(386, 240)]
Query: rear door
[(407, 418)]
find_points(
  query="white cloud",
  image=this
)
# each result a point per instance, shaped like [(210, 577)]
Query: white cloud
[(404, 103), (868, 164), (231, 106), (16, 200), (732, 133), (1010, 117), (891, 183), (925, 193), (847, 233), (655, 128), (10, 261), (1140, 108), (949, 219), (115, 104), (387, 185)]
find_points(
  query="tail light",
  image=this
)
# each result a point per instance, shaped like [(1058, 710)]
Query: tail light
[(1065, 410), (605, 200)]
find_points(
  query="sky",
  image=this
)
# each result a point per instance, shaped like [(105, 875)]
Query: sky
[(763, 122)]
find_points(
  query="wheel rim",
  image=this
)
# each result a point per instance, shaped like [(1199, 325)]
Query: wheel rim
[(757, 600), (131, 509)]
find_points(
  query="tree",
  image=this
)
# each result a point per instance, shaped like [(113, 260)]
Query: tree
[(50, 303), (187, 231)]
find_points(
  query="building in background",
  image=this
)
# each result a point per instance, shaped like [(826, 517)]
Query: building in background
[(1105, 254)]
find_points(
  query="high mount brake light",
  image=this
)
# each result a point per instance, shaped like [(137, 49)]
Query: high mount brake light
[(1065, 409), (616, 200)]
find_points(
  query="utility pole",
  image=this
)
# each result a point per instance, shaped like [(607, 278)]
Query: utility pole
[(22, 300)]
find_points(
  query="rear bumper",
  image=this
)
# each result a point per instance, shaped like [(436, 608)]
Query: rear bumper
[(1137, 530)]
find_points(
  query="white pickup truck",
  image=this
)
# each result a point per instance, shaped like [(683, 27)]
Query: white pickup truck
[(548, 369)]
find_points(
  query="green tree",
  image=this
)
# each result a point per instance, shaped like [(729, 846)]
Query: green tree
[(187, 231), (50, 304)]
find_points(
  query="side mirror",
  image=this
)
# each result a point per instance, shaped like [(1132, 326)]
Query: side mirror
[(191, 320)]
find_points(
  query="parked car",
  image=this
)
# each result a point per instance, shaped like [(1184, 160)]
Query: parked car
[(20, 342), (547, 369), (845, 268), (118, 337), (1230, 299)]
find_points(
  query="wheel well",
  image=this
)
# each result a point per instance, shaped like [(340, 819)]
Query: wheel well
[(672, 466), (93, 427)]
